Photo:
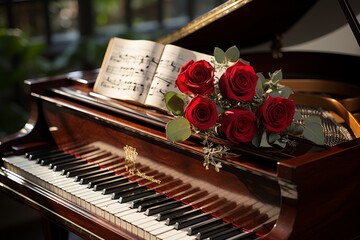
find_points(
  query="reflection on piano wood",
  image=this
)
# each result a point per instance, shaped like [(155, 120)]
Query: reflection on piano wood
[(95, 179), (310, 193), (269, 195)]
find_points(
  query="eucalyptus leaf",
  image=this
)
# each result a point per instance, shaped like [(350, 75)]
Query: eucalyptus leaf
[(273, 93), (178, 129), (219, 55), (313, 132), (285, 92), (256, 140), (264, 141), (261, 79), (296, 129), (232, 54), (276, 76), (297, 115), (281, 144), (273, 137), (175, 103), (312, 119)]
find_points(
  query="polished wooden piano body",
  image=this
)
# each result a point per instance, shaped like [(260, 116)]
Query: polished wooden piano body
[(313, 193), (308, 195)]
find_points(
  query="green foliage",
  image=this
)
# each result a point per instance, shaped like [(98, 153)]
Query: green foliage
[(20, 58), (310, 128), (178, 129), (219, 55), (313, 130), (175, 103), (283, 92), (276, 76), (232, 54)]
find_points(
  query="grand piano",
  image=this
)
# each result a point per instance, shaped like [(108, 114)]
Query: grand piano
[(69, 160)]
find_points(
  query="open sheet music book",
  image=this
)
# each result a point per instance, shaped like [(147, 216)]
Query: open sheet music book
[(141, 70)]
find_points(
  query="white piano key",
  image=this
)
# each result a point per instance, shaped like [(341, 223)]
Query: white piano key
[(102, 205)]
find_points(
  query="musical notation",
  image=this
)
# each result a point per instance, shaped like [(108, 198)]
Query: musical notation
[(142, 71)]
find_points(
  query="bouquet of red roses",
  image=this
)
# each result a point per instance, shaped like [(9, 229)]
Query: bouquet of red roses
[(226, 98)]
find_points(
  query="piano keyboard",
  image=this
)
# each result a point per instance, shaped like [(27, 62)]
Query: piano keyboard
[(96, 180)]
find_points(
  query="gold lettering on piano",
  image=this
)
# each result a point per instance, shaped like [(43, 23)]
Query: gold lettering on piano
[(130, 158), (130, 164)]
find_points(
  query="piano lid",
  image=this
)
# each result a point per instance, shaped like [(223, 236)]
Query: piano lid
[(243, 23)]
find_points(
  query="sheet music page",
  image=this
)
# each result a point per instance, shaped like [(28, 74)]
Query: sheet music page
[(172, 59), (128, 69)]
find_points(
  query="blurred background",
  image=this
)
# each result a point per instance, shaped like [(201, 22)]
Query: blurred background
[(48, 37)]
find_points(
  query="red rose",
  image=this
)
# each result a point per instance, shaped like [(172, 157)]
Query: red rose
[(276, 113), (238, 125), (196, 78), (238, 83), (201, 112)]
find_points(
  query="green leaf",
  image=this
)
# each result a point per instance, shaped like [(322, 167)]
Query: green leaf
[(313, 132), (260, 82), (281, 144), (219, 55), (175, 103), (264, 141), (295, 129), (178, 129), (232, 54), (312, 119), (285, 92), (273, 137), (261, 77), (256, 140), (297, 115), (276, 76)]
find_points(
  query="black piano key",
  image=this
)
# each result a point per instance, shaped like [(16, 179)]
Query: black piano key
[(51, 156), (36, 152), (71, 159), (62, 166), (136, 195), (48, 151), (244, 236), (75, 166), (101, 175), (79, 171), (185, 215), (124, 192), (194, 229), (145, 206), (41, 153), (45, 161), (173, 212), (108, 184), (95, 184), (52, 162), (118, 186), (89, 173), (149, 199), (166, 206), (222, 235), (218, 230), (192, 221)]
